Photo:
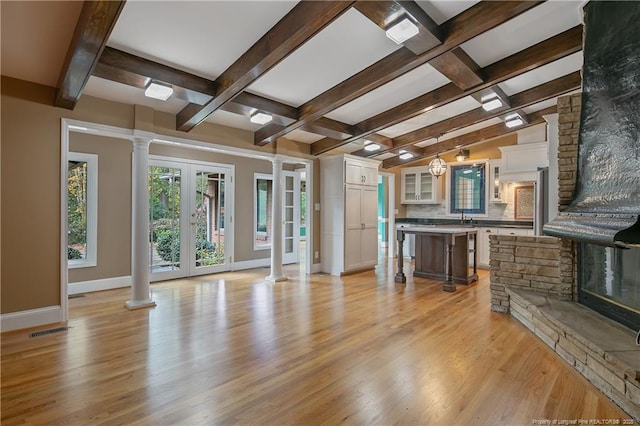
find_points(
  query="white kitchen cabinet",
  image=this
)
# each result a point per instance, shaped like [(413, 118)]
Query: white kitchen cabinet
[(496, 190), (520, 162), (483, 245), (358, 172), (349, 214), (419, 186), (516, 231)]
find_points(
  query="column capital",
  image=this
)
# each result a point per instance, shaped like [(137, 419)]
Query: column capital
[(277, 160), (142, 138)]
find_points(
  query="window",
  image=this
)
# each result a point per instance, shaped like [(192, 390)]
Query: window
[(263, 196), (82, 210), (468, 189)]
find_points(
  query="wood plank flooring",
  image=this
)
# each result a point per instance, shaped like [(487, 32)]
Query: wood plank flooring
[(232, 348)]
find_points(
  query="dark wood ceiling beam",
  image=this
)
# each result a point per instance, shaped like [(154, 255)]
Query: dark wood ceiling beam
[(330, 128), (96, 21), (520, 100), (470, 138), (386, 13), (305, 20), (458, 67), (246, 103), (472, 22), (133, 70), (547, 51)]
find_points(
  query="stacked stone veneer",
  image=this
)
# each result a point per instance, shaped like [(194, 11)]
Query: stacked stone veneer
[(568, 127), (526, 268), (543, 264)]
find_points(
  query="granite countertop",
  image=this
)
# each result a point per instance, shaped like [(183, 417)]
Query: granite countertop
[(491, 223)]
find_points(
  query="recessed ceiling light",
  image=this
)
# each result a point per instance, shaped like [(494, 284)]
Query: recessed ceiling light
[(402, 31), (261, 117), (406, 155), (491, 103), (158, 91), (371, 146), (513, 120)]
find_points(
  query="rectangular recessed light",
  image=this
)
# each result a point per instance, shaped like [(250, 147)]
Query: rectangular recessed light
[(491, 103), (402, 31), (406, 155), (158, 91), (260, 117), (513, 120), (371, 146)]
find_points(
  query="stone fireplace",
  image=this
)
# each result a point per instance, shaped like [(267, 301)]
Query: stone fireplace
[(560, 286)]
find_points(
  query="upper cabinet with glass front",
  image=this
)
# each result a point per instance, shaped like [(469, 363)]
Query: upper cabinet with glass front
[(419, 186), (496, 193)]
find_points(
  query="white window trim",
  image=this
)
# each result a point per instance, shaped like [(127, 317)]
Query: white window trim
[(256, 176), (91, 258)]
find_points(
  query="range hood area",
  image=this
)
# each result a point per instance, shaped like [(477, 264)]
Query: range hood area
[(606, 206), (520, 163)]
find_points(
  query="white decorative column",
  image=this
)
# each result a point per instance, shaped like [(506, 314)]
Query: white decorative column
[(140, 295), (553, 138), (276, 223)]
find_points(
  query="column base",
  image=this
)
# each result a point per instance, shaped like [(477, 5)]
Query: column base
[(274, 278), (139, 304)]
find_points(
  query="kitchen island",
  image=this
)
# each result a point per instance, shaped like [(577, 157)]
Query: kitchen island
[(441, 252)]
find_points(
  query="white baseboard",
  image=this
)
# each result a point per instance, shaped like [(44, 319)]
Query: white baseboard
[(98, 285), (250, 264), (30, 318)]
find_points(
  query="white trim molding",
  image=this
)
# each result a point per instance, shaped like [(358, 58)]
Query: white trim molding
[(31, 318), (99, 285), (250, 264)]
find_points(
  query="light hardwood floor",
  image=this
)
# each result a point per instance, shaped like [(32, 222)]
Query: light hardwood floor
[(234, 349)]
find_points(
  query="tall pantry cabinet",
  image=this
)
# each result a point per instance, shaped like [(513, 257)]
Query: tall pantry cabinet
[(349, 213)]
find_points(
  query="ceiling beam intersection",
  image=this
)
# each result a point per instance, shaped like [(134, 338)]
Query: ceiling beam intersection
[(472, 22)]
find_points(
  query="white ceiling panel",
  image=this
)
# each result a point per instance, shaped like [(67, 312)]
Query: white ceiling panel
[(443, 10), (350, 44), (229, 119), (410, 85), (117, 92), (540, 105), (304, 137), (428, 118), (219, 31), (543, 74), (469, 129), (531, 27)]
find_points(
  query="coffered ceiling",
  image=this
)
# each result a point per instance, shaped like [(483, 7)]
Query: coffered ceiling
[(325, 70)]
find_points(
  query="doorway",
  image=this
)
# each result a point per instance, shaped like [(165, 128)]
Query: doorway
[(190, 205)]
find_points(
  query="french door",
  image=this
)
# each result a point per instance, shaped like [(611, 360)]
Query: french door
[(189, 207)]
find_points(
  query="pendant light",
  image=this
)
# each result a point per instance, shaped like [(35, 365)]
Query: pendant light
[(437, 166)]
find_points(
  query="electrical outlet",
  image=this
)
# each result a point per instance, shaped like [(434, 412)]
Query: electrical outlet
[(316, 254)]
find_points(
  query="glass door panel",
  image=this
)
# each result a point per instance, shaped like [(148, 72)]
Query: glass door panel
[(207, 245), (165, 189), (291, 219)]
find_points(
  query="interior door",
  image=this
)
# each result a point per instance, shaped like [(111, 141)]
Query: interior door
[(291, 218), (208, 219)]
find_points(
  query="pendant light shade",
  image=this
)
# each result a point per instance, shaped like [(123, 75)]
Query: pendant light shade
[(437, 166)]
